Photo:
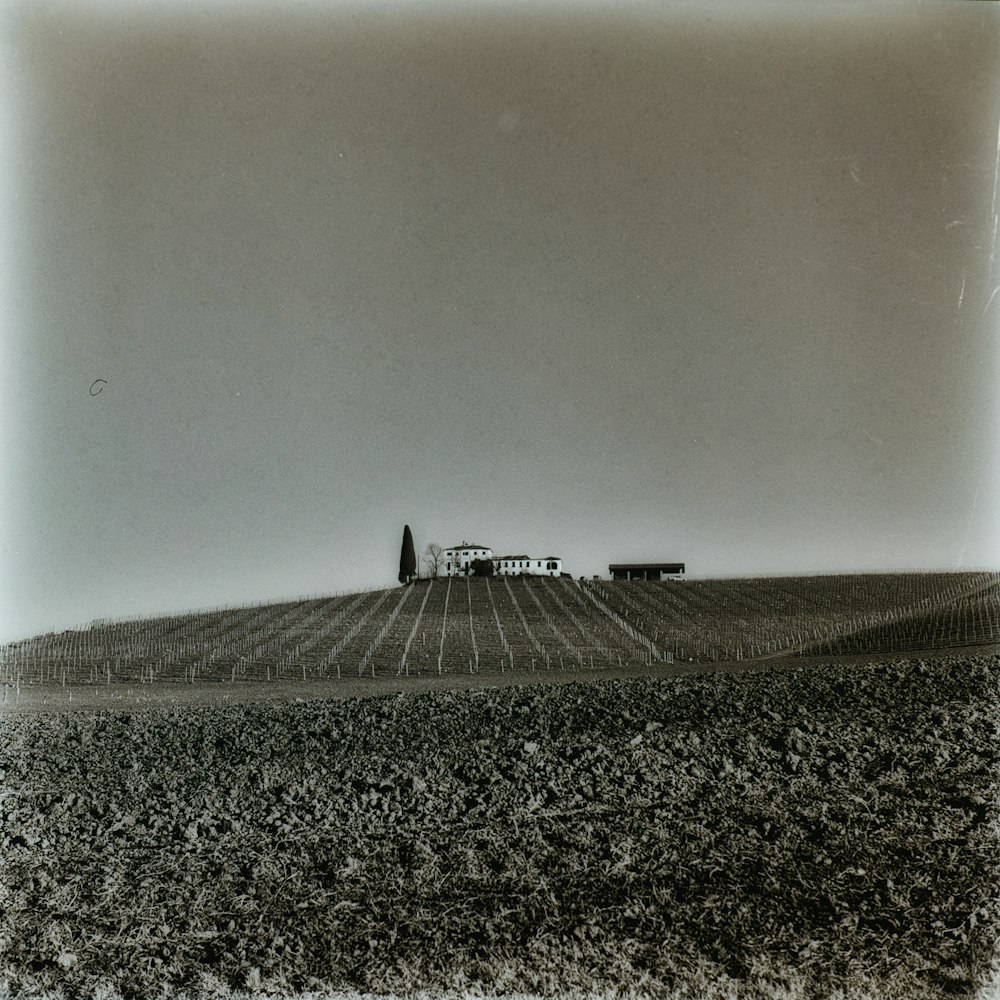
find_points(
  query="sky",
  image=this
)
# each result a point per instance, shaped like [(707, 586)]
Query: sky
[(712, 283)]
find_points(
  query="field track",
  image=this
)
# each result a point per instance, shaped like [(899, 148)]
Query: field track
[(170, 695)]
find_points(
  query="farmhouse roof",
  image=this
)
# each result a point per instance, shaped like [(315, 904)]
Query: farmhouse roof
[(538, 558), (467, 545)]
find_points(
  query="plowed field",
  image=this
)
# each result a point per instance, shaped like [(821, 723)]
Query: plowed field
[(816, 831)]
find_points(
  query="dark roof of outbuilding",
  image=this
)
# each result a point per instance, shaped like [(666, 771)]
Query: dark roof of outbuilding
[(646, 566)]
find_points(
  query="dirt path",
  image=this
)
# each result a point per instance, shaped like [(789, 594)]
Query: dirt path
[(172, 696)]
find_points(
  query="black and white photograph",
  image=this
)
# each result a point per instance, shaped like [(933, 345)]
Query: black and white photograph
[(499, 499)]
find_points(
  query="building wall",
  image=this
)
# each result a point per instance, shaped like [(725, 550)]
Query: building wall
[(527, 566), (640, 572)]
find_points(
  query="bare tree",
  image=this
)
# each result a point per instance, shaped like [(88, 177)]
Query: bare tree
[(434, 559)]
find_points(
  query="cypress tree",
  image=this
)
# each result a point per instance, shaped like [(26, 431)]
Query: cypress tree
[(407, 557)]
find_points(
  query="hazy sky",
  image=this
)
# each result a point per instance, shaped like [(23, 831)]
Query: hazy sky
[(706, 283)]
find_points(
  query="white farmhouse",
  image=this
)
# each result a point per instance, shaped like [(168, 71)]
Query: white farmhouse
[(458, 559)]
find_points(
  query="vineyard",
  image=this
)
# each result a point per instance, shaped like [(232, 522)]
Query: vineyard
[(471, 625)]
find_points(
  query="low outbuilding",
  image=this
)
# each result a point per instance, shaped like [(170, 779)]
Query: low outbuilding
[(646, 571)]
